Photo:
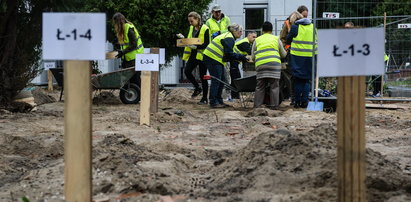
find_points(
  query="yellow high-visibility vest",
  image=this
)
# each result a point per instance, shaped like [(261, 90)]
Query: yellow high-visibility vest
[(218, 26), (187, 50), (266, 50), (302, 45), (215, 49), (125, 43), (238, 51)]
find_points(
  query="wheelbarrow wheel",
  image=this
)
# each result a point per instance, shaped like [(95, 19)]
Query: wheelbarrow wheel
[(130, 94)]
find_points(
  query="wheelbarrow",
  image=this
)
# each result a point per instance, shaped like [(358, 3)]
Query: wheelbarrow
[(120, 79), (241, 85)]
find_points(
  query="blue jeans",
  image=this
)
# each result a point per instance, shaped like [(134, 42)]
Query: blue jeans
[(301, 90), (216, 87)]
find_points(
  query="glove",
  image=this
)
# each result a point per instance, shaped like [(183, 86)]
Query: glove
[(192, 47), (180, 36), (244, 59), (215, 34), (119, 54)]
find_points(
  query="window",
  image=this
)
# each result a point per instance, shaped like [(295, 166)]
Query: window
[(254, 18)]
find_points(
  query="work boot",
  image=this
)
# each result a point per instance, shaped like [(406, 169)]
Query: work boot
[(304, 104), (203, 101), (217, 106), (197, 91)]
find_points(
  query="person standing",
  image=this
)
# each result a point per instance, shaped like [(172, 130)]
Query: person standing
[(193, 54), (130, 43), (218, 22), (267, 52), (301, 56), (303, 10), (294, 16), (217, 53), (242, 47)]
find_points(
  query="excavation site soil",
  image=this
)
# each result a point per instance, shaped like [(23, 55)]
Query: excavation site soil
[(194, 153)]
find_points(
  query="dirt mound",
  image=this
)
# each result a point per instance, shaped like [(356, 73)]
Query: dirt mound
[(41, 97), (106, 97), (123, 166), (294, 166), (26, 154), (178, 96)]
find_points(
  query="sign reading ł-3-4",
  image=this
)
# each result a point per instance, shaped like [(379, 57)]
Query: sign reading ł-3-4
[(147, 62), (74, 36), (350, 52)]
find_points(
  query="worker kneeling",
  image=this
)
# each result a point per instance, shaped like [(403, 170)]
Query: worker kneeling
[(267, 52)]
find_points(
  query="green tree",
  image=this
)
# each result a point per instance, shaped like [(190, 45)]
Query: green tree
[(20, 30), (20, 42), (156, 20)]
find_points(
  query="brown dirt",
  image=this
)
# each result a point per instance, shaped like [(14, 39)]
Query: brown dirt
[(193, 153)]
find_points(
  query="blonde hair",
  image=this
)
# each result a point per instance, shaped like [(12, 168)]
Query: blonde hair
[(234, 27), (195, 15), (295, 16), (119, 20)]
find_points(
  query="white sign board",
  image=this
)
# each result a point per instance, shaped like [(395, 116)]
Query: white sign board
[(404, 26), (49, 65), (331, 15), (350, 52), (147, 62), (74, 36), (162, 55)]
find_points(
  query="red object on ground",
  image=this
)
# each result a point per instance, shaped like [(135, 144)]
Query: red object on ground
[(207, 77)]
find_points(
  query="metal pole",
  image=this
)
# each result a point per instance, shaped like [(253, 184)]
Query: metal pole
[(314, 71), (275, 22)]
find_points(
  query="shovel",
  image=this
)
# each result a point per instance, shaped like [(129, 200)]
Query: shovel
[(315, 106)]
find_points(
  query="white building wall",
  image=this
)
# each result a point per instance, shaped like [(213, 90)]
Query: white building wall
[(276, 9), (170, 73)]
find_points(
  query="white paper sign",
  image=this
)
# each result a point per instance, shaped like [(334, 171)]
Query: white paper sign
[(350, 52), (147, 62), (331, 15), (74, 36), (404, 26), (49, 65)]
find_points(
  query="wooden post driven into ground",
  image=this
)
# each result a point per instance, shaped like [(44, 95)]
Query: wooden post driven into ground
[(145, 98), (77, 131), (149, 93), (49, 80), (351, 139), (154, 85)]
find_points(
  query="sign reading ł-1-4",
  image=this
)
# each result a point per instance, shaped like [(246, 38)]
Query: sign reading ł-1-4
[(74, 36)]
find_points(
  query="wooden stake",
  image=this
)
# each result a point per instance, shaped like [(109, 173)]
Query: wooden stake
[(77, 129), (154, 86), (145, 98), (351, 139), (50, 80)]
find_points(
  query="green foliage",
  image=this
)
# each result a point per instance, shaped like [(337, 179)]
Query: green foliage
[(156, 20), (20, 42), (25, 199), (393, 7)]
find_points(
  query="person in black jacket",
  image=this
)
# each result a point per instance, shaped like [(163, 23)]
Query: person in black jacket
[(193, 54), (243, 47)]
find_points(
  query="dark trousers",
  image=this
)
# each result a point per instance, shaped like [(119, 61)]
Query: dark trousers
[(216, 88), (192, 63), (270, 84), (136, 77), (301, 90), (234, 74), (376, 84)]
